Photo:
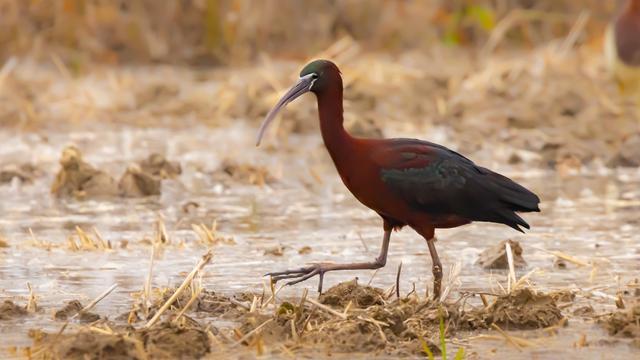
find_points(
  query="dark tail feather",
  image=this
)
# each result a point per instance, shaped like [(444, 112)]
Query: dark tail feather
[(510, 197), (515, 196), (513, 220)]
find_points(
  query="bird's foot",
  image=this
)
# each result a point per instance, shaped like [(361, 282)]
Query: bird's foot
[(302, 274)]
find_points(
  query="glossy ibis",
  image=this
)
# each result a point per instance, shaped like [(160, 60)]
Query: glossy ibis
[(622, 46), (406, 181)]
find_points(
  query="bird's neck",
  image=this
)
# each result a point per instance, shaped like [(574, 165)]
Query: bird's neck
[(335, 137)]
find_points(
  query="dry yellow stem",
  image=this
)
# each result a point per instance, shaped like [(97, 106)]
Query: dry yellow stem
[(206, 258)]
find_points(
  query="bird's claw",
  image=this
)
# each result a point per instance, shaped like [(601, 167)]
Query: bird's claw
[(300, 275)]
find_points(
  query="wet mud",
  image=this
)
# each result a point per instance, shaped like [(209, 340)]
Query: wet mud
[(351, 292), (522, 309), (185, 339), (9, 310), (73, 309), (246, 173), (79, 179), (495, 257), (137, 183), (26, 173), (625, 323)]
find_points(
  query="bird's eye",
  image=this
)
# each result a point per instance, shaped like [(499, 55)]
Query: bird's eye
[(314, 76)]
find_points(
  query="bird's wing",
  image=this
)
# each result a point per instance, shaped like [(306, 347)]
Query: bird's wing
[(437, 180)]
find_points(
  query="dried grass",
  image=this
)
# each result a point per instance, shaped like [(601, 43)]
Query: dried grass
[(72, 33), (82, 241), (209, 236)]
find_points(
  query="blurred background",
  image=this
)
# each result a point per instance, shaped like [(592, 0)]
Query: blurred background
[(528, 73), (234, 32), (127, 126)]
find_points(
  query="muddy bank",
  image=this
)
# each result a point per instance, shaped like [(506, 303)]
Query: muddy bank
[(9, 310), (624, 323), (364, 319), (73, 310), (207, 303), (185, 338), (347, 318), (495, 257), (81, 180), (26, 173)]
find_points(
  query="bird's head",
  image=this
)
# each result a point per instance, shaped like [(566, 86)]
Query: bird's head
[(315, 77)]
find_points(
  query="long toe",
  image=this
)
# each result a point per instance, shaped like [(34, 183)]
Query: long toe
[(305, 277), (303, 270), (277, 278)]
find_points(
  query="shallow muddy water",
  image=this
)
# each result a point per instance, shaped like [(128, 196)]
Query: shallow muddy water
[(592, 217)]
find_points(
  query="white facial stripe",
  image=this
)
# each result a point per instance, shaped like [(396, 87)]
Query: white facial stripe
[(313, 81)]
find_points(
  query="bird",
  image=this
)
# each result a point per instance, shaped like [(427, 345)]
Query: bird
[(407, 182), (622, 47)]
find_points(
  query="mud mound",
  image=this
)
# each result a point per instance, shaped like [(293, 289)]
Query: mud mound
[(625, 323), (247, 173), (378, 329), (79, 179), (25, 172), (9, 310), (628, 154), (86, 344), (186, 340), (523, 309), (137, 183), (158, 166), (183, 340), (207, 302), (72, 308), (360, 296), (495, 257)]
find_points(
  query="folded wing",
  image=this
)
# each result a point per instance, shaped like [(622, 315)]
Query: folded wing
[(436, 180)]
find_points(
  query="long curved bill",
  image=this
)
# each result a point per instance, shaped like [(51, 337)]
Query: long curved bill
[(302, 86)]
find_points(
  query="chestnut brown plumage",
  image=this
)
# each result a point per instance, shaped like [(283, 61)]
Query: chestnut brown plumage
[(406, 181)]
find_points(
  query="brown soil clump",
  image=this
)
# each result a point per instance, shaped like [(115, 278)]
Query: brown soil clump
[(72, 308), (247, 174), (369, 325), (376, 330), (135, 182), (360, 296), (523, 309), (25, 172), (185, 339), (628, 154), (207, 302), (277, 250), (79, 179), (495, 257), (158, 166), (584, 311), (85, 344), (625, 323), (563, 296), (9, 310)]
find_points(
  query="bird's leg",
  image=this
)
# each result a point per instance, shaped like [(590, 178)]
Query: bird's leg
[(436, 269), (302, 274)]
